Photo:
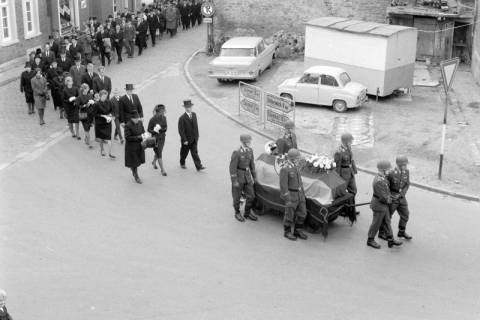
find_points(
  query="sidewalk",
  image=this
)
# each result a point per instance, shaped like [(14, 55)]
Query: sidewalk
[(383, 129)]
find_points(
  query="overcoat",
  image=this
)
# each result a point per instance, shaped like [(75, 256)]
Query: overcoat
[(134, 152)]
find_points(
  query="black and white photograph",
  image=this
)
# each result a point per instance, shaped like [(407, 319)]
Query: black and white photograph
[(240, 159)]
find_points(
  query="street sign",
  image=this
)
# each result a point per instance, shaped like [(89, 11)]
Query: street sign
[(448, 68), (208, 9), (208, 20), (250, 100)]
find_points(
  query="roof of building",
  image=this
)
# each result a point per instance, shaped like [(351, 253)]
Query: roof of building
[(358, 26), (325, 70), (242, 42)]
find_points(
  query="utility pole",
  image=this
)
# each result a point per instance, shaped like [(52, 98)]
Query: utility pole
[(208, 11)]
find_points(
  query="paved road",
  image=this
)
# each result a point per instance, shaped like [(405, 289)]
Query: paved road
[(79, 239)]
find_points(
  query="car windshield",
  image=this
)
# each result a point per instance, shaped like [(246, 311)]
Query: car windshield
[(344, 78), (237, 52)]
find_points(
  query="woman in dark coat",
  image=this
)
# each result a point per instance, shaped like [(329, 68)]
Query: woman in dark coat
[(70, 93), (134, 153), (26, 86), (85, 107), (157, 126), (57, 85), (102, 111)]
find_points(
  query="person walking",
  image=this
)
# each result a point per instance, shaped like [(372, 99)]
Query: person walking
[(141, 36), (102, 111), (56, 85), (129, 37), (188, 130), (157, 126), (292, 192), (26, 86), (152, 21), (85, 104), (117, 38), (102, 82), (89, 76), (70, 93), (129, 104), (40, 93), (115, 100), (64, 63), (380, 203), (288, 140), (242, 174), (171, 17), (77, 71), (104, 44), (134, 152)]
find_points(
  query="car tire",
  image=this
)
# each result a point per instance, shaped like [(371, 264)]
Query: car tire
[(286, 96), (258, 75), (339, 106)]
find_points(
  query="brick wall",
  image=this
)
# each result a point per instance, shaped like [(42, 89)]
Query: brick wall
[(476, 48), (269, 16), (20, 48)]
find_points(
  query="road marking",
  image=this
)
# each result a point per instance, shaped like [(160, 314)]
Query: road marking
[(39, 144)]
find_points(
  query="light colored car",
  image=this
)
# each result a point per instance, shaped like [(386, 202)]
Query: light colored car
[(242, 58), (323, 85)]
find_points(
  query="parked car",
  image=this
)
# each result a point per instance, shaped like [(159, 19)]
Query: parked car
[(243, 58), (323, 85)]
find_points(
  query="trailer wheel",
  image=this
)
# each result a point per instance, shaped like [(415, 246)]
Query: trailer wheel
[(339, 106)]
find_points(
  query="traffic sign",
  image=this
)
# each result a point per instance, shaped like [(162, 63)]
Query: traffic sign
[(208, 9), (208, 20), (448, 68)]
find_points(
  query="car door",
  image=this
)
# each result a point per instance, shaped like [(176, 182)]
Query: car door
[(328, 89), (307, 88)]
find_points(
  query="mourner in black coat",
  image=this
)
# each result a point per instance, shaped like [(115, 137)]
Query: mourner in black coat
[(102, 82), (188, 130), (64, 62), (157, 126), (26, 86), (89, 76), (141, 38), (134, 152), (4, 315), (129, 104)]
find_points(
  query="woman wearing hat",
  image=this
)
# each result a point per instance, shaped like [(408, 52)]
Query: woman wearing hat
[(134, 152), (85, 102), (102, 111), (70, 93), (40, 93), (26, 86), (157, 126)]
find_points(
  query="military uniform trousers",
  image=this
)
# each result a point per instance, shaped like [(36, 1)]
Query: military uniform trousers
[(347, 174), (295, 209), (247, 189), (401, 206), (381, 219)]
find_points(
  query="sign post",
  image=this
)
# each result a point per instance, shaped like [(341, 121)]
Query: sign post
[(208, 11), (448, 68)]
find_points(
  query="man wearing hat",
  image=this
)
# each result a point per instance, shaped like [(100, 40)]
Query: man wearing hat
[(129, 103), (64, 62), (75, 49), (77, 72), (289, 139), (380, 203), (188, 130), (345, 165), (48, 57), (291, 190), (399, 180), (242, 173), (26, 86)]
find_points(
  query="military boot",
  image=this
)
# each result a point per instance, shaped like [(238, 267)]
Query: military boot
[(372, 243), (403, 234), (393, 242), (288, 233), (251, 216), (239, 216), (300, 234), (383, 236)]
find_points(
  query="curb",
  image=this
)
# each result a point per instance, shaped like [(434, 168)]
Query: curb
[(229, 116), (7, 81)]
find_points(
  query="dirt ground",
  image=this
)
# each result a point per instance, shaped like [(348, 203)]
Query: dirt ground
[(409, 124)]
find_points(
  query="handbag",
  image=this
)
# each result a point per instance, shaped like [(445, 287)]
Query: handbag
[(149, 143)]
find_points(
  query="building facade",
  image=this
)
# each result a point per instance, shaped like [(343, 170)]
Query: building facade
[(476, 45), (26, 24)]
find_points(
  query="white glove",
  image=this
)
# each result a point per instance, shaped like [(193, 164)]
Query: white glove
[(72, 99), (91, 101), (157, 128), (144, 136)]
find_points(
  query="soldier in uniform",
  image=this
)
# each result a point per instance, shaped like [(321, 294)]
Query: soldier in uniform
[(288, 140), (381, 201), (242, 173), (345, 165), (399, 180), (291, 190)]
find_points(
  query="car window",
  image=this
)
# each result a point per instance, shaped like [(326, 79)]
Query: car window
[(329, 81), (309, 78), (237, 52), (344, 78)]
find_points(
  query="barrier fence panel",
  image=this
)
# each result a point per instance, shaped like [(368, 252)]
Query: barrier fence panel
[(278, 110), (250, 100)]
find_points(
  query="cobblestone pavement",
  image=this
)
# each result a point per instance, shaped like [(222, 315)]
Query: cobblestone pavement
[(383, 129)]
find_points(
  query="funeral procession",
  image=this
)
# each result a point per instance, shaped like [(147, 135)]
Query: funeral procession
[(253, 159)]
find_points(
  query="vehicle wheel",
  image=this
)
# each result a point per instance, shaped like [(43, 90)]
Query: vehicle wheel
[(258, 75), (286, 96), (339, 106)]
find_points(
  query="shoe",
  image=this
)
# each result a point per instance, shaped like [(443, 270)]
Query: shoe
[(42, 123), (383, 236), (115, 138), (373, 244), (74, 136), (78, 138), (357, 213), (138, 180), (403, 234), (111, 156), (102, 154), (239, 217), (90, 146), (164, 174), (251, 216), (183, 166), (154, 164), (300, 234), (289, 236), (394, 242), (122, 141), (201, 168)]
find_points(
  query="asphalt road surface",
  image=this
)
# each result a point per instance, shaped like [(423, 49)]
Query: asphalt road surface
[(79, 239)]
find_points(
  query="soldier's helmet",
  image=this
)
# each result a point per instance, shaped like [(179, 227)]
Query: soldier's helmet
[(346, 137), (245, 138), (289, 124), (401, 160), (383, 165), (294, 154)]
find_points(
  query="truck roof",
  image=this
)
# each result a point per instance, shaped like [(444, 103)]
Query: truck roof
[(358, 26), (242, 42)]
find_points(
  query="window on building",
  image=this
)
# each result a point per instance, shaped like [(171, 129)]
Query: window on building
[(8, 28), (30, 18)]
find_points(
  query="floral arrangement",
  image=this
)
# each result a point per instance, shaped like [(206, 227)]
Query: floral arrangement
[(319, 163)]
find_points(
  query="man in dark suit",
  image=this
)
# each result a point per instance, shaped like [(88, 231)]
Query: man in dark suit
[(188, 130), (48, 57), (75, 49), (77, 71), (64, 62), (129, 104), (89, 76), (102, 82)]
